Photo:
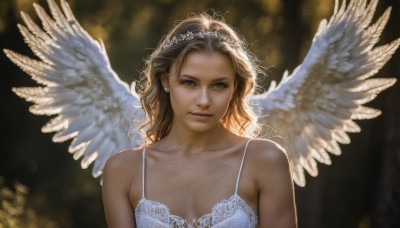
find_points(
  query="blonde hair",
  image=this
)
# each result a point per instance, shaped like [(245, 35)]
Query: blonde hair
[(240, 118)]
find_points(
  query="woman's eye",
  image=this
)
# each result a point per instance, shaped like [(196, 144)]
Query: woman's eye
[(221, 85), (188, 82)]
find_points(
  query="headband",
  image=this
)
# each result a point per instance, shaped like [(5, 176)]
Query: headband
[(190, 36)]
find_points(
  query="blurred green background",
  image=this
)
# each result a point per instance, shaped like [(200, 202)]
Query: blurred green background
[(42, 186)]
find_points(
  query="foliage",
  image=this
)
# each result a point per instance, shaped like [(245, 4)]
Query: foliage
[(14, 211)]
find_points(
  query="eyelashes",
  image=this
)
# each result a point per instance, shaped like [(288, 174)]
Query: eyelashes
[(221, 85), (191, 83), (187, 82)]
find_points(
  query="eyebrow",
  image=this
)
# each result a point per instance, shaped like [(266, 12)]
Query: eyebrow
[(223, 78)]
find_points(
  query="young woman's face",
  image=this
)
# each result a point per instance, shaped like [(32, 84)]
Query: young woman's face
[(201, 93)]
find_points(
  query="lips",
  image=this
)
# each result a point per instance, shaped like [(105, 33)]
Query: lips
[(201, 116)]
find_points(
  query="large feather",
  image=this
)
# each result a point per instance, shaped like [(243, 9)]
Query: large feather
[(314, 107), (92, 105)]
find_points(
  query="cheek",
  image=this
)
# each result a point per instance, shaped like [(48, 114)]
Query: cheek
[(224, 100), (179, 99)]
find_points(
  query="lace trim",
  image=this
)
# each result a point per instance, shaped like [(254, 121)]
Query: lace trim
[(221, 211)]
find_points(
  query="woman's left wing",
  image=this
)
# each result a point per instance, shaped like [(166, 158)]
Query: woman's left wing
[(314, 107), (92, 105)]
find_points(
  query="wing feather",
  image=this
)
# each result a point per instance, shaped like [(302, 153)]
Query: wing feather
[(92, 106), (314, 107)]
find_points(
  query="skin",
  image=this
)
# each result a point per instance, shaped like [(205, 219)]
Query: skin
[(196, 165)]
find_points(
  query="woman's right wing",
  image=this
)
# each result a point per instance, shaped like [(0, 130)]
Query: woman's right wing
[(92, 105), (314, 107)]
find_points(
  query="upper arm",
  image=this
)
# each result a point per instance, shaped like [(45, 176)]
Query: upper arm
[(117, 207), (276, 202)]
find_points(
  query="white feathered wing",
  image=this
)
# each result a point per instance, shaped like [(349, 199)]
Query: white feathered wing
[(314, 107), (92, 105)]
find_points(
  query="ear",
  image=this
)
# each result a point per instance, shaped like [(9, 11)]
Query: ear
[(165, 82)]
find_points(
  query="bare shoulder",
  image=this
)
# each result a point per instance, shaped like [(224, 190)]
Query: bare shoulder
[(265, 152), (269, 162), (123, 165), (272, 177), (122, 159), (118, 176)]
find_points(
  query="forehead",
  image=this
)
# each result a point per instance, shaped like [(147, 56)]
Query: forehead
[(204, 64)]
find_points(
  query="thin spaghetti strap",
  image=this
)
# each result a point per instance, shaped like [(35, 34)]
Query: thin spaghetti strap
[(241, 166), (143, 169)]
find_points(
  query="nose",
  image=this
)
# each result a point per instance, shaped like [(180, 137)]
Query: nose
[(204, 98)]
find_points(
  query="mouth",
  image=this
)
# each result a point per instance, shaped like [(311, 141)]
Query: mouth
[(201, 114)]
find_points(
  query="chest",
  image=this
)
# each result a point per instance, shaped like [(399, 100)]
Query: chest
[(194, 173), (191, 188), (190, 182)]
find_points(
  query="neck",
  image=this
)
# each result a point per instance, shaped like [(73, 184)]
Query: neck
[(195, 142)]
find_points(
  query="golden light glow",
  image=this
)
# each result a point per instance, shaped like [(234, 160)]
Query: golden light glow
[(264, 25), (272, 6)]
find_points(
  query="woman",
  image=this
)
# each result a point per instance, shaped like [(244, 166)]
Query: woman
[(201, 165)]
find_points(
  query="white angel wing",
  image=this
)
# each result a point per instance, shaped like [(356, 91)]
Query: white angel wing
[(313, 108), (92, 105)]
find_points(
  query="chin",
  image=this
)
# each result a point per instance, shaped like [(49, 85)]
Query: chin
[(202, 127)]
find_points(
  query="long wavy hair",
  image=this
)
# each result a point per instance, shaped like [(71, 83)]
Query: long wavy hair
[(240, 117)]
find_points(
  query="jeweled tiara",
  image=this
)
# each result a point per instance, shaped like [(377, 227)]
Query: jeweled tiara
[(190, 35)]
